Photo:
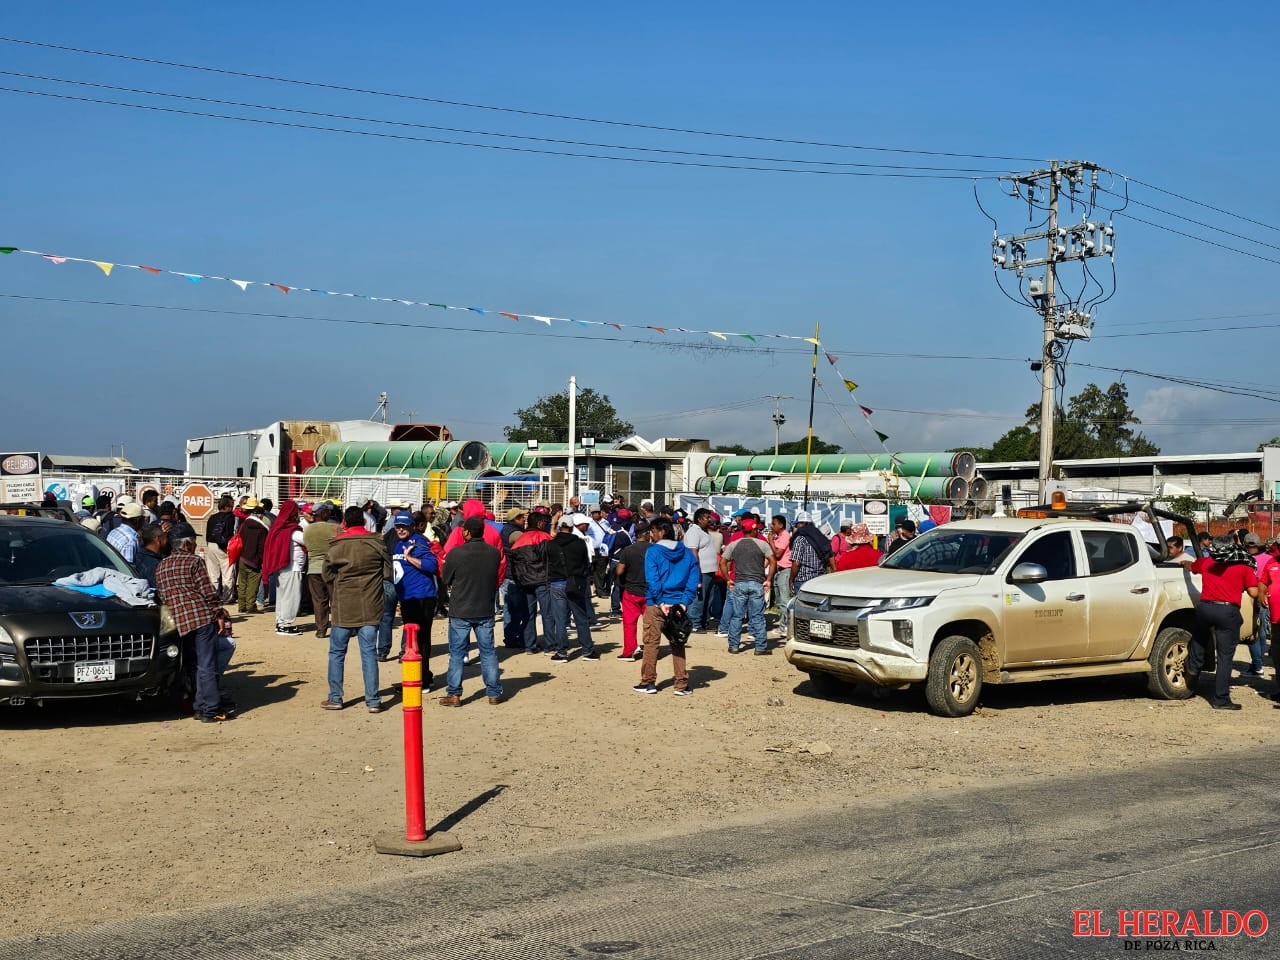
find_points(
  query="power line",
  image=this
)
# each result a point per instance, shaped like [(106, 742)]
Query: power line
[(1198, 223), (489, 133), (502, 109), (506, 332), (485, 146), (1192, 236), (1199, 203), (1225, 316)]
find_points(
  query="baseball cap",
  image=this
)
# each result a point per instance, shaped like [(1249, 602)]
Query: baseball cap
[(739, 514), (804, 516), (1252, 540), (580, 518), (514, 512), (404, 519), (87, 502), (448, 504), (131, 511), (124, 499), (92, 524), (305, 508), (182, 531), (749, 523), (907, 525)]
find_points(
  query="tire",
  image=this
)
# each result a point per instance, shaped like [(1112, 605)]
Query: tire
[(829, 685), (954, 683), (1167, 679)]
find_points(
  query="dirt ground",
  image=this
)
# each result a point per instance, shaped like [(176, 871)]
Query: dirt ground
[(116, 809)]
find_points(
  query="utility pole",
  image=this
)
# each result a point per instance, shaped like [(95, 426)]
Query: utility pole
[(1048, 372), (571, 471), (410, 414), (779, 418), (1074, 242)]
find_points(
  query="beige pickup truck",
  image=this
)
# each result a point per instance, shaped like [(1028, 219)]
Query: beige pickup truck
[(1004, 600)]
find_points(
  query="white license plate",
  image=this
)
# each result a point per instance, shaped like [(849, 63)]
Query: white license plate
[(820, 628), (95, 672)]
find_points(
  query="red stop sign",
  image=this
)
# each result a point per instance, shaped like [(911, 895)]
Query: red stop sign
[(197, 501)]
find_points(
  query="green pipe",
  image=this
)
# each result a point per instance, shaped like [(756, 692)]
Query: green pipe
[(909, 464)]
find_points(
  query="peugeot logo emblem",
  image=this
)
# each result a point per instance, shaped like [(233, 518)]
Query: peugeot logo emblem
[(90, 620)]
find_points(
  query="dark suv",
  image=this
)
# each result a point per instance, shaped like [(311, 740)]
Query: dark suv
[(59, 643)]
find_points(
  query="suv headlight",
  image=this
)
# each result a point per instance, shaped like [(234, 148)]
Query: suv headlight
[(895, 603), (167, 623), (6, 643)]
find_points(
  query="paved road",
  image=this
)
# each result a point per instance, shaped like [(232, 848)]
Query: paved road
[(994, 872)]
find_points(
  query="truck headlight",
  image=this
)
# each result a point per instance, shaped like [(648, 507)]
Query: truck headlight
[(6, 642), (171, 651), (895, 603)]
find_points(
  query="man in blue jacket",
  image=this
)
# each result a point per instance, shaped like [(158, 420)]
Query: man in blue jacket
[(672, 574)]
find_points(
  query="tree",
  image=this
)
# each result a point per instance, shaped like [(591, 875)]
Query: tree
[(547, 419), (792, 447), (1273, 442), (735, 449), (1096, 423)]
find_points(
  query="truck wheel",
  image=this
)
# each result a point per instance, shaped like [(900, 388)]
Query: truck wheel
[(1168, 677), (829, 685), (955, 677)]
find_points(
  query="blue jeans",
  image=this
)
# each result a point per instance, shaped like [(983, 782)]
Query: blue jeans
[(699, 609), (224, 649), (208, 696), (563, 606), (339, 637), (748, 598), (459, 638), (1258, 646), (782, 588), (515, 614), (267, 590), (715, 611), (535, 598), (388, 618)]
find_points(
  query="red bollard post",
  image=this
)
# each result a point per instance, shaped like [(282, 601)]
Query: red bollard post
[(415, 842), (415, 806)]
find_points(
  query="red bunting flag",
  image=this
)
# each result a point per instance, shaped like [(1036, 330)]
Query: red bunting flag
[(512, 316), (866, 411), (281, 287), (832, 358), (151, 270)]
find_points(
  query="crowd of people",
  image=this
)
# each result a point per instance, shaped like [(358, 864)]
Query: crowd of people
[(545, 570)]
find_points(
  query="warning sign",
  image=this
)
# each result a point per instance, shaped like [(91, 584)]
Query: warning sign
[(20, 478)]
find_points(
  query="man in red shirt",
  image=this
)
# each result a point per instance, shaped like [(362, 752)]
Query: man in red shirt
[(1226, 574)]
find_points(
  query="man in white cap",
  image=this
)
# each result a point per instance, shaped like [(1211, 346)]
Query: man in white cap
[(125, 536)]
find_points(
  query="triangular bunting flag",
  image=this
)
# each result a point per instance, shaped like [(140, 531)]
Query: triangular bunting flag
[(747, 336), (8, 250), (546, 320), (832, 358), (661, 330), (813, 340), (281, 287), (616, 327), (439, 305), (477, 310), (104, 267), (52, 259), (866, 411), (151, 270), (883, 436), (511, 316), (242, 284), (193, 277), (850, 386), (720, 335)]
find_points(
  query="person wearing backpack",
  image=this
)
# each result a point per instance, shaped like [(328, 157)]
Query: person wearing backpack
[(217, 537), (671, 578)]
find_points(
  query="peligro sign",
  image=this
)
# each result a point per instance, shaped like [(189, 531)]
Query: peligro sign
[(20, 477)]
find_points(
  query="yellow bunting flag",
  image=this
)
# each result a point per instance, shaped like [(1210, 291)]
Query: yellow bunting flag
[(850, 386), (104, 267)]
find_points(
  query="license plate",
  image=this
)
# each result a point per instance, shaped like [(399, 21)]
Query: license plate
[(95, 672), (820, 628)]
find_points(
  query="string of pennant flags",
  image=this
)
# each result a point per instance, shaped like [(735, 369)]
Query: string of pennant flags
[(108, 267), (852, 387)]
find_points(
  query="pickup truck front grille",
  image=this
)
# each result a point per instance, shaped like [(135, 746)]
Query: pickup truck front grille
[(842, 635)]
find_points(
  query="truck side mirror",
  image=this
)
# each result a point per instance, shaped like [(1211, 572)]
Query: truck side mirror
[(1028, 573)]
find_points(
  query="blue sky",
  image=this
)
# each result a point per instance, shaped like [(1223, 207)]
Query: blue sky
[(1174, 94)]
